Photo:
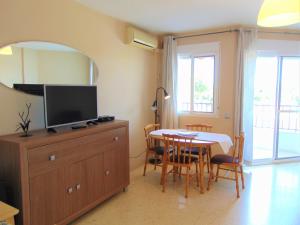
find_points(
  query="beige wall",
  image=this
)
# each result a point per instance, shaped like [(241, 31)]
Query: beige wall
[(127, 75)]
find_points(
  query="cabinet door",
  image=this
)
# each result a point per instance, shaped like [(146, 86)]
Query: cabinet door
[(85, 183), (47, 198), (93, 177), (116, 171)]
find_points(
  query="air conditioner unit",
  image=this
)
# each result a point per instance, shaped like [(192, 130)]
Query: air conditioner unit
[(141, 39)]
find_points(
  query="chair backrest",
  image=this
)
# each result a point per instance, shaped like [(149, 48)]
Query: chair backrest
[(150, 141), (173, 146), (238, 147), (199, 127)]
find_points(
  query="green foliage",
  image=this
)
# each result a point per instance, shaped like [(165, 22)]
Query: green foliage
[(297, 99), (202, 93)]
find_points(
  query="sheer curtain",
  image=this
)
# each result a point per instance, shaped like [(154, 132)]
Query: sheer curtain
[(246, 60), (169, 117)]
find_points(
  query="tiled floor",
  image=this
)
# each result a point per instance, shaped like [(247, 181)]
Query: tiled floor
[(272, 196)]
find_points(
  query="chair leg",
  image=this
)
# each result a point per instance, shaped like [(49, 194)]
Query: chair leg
[(180, 171), (197, 174), (187, 181), (217, 174), (155, 161), (211, 174), (207, 162), (201, 174), (236, 182), (242, 177), (164, 177), (209, 155), (175, 168), (146, 162)]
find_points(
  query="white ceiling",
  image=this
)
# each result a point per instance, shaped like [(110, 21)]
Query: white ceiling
[(175, 16)]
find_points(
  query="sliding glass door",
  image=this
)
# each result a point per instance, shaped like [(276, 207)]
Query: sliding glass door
[(289, 109), (265, 85), (276, 122)]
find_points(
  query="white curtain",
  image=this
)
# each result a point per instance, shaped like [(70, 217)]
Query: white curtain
[(169, 117), (246, 60)]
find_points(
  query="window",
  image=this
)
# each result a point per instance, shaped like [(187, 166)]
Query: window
[(197, 89)]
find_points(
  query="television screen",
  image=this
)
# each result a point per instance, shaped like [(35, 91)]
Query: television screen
[(69, 104)]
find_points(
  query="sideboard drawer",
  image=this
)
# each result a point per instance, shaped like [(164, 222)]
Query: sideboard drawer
[(45, 158)]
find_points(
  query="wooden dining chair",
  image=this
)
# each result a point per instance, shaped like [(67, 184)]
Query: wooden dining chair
[(206, 151), (176, 158), (199, 127), (152, 147), (232, 163)]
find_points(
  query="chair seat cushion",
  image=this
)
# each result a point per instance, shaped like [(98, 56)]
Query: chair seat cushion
[(222, 158), (159, 150), (195, 151), (183, 159)]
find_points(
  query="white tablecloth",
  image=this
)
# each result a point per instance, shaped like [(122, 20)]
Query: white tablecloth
[(223, 140)]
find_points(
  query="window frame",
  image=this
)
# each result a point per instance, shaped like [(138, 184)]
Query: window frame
[(196, 51)]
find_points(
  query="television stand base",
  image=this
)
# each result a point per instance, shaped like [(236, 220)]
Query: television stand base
[(51, 130), (79, 127)]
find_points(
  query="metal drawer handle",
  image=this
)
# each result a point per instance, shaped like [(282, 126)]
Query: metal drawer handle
[(116, 138), (107, 172), (52, 157), (70, 190), (77, 187)]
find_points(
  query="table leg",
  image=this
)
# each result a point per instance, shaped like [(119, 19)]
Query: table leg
[(212, 172), (201, 174)]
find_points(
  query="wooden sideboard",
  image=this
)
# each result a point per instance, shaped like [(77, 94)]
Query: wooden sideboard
[(58, 177)]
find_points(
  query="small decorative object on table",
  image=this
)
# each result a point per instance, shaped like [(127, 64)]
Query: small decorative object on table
[(25, 122)]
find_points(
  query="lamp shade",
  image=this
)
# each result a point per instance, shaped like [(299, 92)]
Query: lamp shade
[(6, 51), (154, 105), (276, 13), (167, 96)]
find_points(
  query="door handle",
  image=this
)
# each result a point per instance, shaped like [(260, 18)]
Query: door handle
[(116, 138), (107, 172), (77, 187), (52, 157), (70, 190)]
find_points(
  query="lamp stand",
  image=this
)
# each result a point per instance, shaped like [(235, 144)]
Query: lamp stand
[(155, 104)]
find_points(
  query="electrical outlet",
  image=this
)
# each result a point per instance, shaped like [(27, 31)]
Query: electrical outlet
[(226, 115)]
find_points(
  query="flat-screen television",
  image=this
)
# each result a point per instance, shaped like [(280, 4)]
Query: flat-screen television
[(66, 105)]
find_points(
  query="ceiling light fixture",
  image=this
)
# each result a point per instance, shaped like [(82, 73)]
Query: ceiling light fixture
[(277, 13)]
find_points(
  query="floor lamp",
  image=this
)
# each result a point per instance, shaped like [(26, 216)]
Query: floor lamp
[(155, 103), (154, 107)]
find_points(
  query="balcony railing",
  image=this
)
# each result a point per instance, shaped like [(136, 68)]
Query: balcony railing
[(198, 107), (263, 115), (289, 117)]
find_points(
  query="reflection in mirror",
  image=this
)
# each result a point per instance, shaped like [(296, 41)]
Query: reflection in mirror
[(45, 63)]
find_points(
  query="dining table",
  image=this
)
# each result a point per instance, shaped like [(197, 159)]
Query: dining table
[(201, 140)]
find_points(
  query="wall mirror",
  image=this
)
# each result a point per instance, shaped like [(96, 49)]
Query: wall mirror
[(45, 63)]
